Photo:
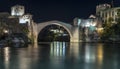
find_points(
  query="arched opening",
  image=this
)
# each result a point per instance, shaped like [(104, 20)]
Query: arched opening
[(52, 33)]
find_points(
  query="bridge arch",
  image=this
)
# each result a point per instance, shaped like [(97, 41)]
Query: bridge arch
[(66, 26)]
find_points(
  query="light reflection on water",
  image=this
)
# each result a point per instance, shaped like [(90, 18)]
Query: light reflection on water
[(6, 57), (61, 55), (57, 49)]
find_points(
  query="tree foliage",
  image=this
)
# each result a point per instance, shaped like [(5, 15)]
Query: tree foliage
[(112, 30)]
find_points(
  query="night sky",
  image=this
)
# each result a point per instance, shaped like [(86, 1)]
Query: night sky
[(62, 10)]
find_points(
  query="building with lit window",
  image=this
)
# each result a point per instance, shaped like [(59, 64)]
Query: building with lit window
[(17, 10), (89, 29), (8, 25), (106, 12), (25, 20), (16, 22)]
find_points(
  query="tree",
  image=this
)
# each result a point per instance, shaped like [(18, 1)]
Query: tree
[(117, 26), (112, 30), (108, 30)]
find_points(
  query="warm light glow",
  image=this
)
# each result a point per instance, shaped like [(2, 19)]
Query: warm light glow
[(100, 53), (5, 31), (93, 24), (6, 51), (74, 50), (6, 57), (99, 30)]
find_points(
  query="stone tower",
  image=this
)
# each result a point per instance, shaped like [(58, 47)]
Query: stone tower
[(17, 10), (25, 18)]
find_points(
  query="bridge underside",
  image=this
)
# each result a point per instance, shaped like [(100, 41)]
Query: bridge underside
[(75, 37), (53, 33), (72, 31)]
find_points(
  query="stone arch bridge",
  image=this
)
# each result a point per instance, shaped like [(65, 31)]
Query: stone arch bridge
[(72, 31)]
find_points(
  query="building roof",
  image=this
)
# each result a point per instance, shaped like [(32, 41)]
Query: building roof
[(109, 9)]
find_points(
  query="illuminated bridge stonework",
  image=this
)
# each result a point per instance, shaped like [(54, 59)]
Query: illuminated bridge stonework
[(73, 32), (82, 30)]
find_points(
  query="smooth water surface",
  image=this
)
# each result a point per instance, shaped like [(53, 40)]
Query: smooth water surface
[(61, 55)]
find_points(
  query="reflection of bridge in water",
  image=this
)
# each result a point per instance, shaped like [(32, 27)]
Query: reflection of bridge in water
[(61, 55), (58, 48)]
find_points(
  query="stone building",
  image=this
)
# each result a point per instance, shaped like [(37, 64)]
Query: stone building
[(105, 11), (16, 22), (25, 20), (8, 25), (88, 29), (17, 10)]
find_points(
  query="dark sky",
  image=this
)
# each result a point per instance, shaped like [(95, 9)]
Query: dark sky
[(62, 10)]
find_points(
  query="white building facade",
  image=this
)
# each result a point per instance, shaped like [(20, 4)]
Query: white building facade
[(105, 11)]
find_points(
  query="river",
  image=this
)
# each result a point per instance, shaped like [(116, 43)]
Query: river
[(61, 55)]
